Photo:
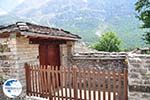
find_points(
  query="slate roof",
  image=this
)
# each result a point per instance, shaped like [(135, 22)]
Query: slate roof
[(34, 30)]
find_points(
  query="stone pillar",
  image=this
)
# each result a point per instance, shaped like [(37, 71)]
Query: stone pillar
[(8, 51), (139, 77), (66, 51), (70, 46), (63, 54)]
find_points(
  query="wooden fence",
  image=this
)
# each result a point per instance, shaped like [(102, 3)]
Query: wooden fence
[(2, 97), (75, 83)]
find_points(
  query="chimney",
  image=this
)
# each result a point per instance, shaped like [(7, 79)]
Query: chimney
[(22, 26)]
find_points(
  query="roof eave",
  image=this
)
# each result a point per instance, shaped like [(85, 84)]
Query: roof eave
[(35, 35)]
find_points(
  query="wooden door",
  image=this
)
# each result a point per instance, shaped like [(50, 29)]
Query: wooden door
[(49, 54), (53, 55)]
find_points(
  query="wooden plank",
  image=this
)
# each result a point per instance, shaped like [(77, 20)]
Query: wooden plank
[(109, 84), (49, 82), (114, 85), (37, 80), (51, 79), (57, 82), (70, 82), (45, 41), (32, 81), (80, 82), (35, 83), (54, 82), (44, 81), (94, 83), (89, 83), (27, 74), (119, 86), (41, 79), (125, 84), (75, 82), (84, 83), (62, 81), (99, 85), (65, 74), (104, 86)]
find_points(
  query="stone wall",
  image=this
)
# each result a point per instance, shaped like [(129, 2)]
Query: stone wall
[(14, 53), (139, 77), (100, 60), (26, 53), (7, 62), (66, 52), (7, 46)]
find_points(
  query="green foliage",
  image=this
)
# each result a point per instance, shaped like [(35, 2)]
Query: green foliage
[(108, 42), (143, 9)]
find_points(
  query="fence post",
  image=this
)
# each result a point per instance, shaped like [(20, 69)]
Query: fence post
[(126, 83), (75, 82), (26, 66)]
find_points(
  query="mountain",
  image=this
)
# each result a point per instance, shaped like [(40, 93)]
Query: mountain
[(87, 18)]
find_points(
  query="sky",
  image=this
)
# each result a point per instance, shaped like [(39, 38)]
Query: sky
[(8, 5)]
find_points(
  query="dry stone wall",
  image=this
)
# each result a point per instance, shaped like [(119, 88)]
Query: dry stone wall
[(7, 62), (15, 53), (139, 77), (102, 61), (7, 57), (26, 53)]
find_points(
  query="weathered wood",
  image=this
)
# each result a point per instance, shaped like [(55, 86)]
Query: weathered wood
[(114, 85), (104, 85), (99, 85), (45, 41), (65, 72), (109, 85), (75, 83), (119, 87), (125, 84), (62, 81), (70, 82)]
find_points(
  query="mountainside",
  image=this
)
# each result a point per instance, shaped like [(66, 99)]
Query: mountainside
[(87, 18)]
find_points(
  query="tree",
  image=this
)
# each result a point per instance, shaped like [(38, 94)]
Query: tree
[(143, 13), (108, 42)]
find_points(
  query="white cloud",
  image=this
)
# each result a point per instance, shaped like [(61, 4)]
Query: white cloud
[(9, 5), (20, 1), (85, 1), (32, 4), (2, 12)]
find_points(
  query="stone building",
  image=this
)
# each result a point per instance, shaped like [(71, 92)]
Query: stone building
[(24, 42)]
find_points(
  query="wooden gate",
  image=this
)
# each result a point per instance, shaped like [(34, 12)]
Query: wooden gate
[(75, 83)]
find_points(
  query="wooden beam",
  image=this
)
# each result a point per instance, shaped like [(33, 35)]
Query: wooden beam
[(45, 41)]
